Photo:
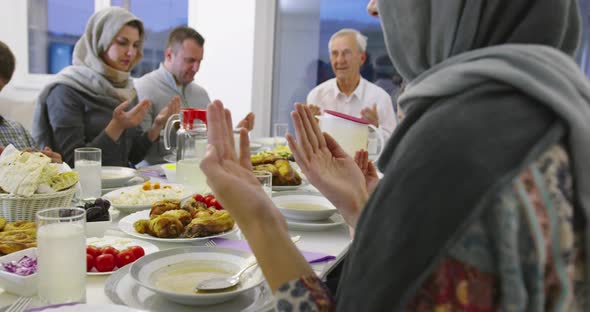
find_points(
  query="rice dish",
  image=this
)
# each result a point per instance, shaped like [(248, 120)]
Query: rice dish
[(139, 196)]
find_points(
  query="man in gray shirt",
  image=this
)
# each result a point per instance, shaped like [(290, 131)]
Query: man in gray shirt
[(182, 59)]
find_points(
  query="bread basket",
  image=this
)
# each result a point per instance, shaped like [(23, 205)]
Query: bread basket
[(17, 208)]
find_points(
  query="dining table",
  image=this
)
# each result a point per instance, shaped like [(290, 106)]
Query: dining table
[(331, 241)]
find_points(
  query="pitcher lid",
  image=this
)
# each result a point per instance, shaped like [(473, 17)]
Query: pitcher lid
[(189, 115), (347, 117)]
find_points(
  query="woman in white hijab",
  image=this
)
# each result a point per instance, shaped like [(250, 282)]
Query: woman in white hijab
[(85, 106)]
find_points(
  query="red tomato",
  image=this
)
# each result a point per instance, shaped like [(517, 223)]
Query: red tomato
[(93, 251), (199, 197), (124, 258), (89, 262), (110, 250), (105, 263), (215, 203), (137, 251), (207, 200)]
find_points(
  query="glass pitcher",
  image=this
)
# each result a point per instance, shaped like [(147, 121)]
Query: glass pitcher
[(191, 144)]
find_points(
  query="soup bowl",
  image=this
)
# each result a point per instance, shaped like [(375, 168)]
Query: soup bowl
[(304, 206), (174, 273)]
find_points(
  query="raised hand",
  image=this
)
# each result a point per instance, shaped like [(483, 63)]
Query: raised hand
[(327, 166), (124, 120), (237, 189), (133, 117), (370, 114), (247, 123), (361, 158), (173, 107), (315, 110), (230, 176)]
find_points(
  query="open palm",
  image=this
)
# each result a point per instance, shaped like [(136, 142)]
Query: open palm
[(133, 117), (327, 166)]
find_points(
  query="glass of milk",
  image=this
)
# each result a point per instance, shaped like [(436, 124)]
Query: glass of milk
[(87, 162), (61, 255)]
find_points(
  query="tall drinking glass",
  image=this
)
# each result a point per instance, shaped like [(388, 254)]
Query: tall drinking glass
[(265, 179), (61, 255), (87, 162), (279, 132)]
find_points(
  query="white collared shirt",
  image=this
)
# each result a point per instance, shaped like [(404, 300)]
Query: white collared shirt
[(328, 96)]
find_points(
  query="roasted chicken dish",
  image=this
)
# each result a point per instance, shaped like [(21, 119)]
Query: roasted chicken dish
[(191, 220), (282, 173), (15, 236)]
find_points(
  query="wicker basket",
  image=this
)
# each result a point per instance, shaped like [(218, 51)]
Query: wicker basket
[(16, 208)]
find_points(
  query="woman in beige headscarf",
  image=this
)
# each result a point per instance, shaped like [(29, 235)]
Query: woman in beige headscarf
[(85, 106)]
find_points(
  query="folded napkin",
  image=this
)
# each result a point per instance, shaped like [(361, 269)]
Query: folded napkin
[(311, 257), (152, 172), (53, 306)]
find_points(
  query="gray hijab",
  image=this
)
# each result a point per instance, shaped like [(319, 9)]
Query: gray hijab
[(89, 74), (465, 59)]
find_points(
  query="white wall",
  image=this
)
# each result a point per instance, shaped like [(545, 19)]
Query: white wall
[(237, 67)]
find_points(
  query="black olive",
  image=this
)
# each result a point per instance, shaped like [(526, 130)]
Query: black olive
[(93, 213), (99, 202)]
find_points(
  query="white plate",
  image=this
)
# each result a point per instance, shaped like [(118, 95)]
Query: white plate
[(229, 260), (254, 146), (82, 307), (137, 180), (120, 288), (280, 199), (134, 208), (118, 243), (303, 184), (126, 225), (310, 226), (116, 176)]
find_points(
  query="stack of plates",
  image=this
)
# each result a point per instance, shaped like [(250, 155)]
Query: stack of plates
[(113, 178)]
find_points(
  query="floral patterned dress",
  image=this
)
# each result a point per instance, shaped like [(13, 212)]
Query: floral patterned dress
[(523, 254)]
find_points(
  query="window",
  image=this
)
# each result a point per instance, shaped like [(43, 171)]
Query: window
[(302, 59), (54, 27), (159, 18)]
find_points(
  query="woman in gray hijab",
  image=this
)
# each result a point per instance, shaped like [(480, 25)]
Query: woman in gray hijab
[(85, 105), (485, 197)]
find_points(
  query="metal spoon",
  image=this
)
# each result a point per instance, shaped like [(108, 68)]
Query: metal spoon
[(220, 283)]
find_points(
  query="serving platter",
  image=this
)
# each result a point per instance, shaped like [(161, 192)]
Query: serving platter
[(126, 225)]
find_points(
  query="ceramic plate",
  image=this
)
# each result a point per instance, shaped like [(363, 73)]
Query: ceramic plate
[(137, 180), (182, 194), (334, 221), (120, 288), (278, 188), (181, 262), (126, 225), (116, 176), (118, 243), (254, 146), (304, 200)]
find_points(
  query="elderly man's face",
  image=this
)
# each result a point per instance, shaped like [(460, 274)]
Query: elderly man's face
[(346, 57)]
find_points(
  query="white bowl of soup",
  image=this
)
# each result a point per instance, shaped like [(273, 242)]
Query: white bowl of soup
[(300, 206), (174, 273)]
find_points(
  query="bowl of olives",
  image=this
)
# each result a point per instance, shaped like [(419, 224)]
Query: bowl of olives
[(98, 219)]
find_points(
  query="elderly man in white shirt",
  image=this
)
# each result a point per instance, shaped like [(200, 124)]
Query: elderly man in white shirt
[(350, 93)]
